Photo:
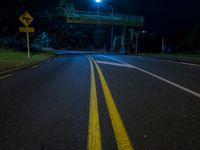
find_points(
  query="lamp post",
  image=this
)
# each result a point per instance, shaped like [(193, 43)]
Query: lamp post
[(111, 49), (111, 43), (98, 2)]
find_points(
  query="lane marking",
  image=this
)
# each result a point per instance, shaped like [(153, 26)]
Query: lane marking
[(176, 62), (6, 76), (170, 61), (94, 136), (194, 93), (121, 136), (173, 61), (114, 59), (111, 63), (35, 66), (190, 64)]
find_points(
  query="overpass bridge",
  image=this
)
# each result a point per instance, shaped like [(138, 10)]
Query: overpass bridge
[(131, 22), (86, 17)]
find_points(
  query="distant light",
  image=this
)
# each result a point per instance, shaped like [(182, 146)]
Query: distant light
[(98, 1), (144, 32)]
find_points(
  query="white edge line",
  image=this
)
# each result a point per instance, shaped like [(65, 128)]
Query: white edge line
[(173, 61), (35, 66), (190, 64), (158, 77), (5, 76)]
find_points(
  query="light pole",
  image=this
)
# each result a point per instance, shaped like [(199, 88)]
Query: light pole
[(111, 49), (111, 40), (98, 2)]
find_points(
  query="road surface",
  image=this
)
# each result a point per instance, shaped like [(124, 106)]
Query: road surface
[(101, 101)]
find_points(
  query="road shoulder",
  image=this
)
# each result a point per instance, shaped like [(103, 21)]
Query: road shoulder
[(172, 58)]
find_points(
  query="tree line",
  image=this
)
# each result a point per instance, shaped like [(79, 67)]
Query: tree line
[(51, 31)]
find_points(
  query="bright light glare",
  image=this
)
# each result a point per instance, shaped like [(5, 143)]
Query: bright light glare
[(98, 1)]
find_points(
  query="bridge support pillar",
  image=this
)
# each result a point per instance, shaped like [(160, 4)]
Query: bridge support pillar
[(132, 34), (122, 50), (137, 34), (131, 40), (115, 43)]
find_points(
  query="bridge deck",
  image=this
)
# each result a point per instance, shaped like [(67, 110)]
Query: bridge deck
[(84, 17)]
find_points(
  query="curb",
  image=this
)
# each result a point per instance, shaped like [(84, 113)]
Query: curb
[(9, 71)]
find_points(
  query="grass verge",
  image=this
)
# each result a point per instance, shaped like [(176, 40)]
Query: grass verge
[(10, 59)]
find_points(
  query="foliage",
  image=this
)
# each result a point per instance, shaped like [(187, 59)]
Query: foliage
[(50, 26), (42, 40), (191, 40)]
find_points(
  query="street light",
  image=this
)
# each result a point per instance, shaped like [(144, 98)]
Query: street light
[(98, 1), (111, 46)]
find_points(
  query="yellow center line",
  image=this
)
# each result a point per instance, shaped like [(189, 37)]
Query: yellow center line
[(94, 136), (121, 135), (6, 76)]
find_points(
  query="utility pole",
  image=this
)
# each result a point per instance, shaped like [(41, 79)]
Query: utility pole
[(163, 45), (111, 47)]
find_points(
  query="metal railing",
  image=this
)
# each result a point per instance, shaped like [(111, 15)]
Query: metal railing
[(109, 16)]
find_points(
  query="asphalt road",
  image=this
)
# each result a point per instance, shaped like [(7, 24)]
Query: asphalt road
[(100, 101)]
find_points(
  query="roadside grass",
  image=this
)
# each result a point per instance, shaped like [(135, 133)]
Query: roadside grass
[(183, 55), (10, 59)]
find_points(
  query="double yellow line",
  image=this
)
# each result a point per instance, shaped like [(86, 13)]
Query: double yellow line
[(94, 135)]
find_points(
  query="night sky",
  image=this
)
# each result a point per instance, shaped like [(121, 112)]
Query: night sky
[(161, 16)]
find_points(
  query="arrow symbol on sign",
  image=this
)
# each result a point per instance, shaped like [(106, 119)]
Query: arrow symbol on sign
[(27, 19)]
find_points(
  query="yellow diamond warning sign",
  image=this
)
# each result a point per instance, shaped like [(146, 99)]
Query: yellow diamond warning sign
[(26, 18)]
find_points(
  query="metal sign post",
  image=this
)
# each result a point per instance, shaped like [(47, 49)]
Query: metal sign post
[(28, 44), (26, 19)]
